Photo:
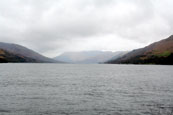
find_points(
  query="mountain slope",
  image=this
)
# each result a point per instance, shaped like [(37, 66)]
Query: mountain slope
[(6, 57), (87, 57), (157, 53), (25, 52)]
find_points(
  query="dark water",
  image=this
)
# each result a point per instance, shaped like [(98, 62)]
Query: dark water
[(55, 89)]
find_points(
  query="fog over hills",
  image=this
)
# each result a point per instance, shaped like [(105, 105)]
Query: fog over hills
[(160, 52), (88, 56)]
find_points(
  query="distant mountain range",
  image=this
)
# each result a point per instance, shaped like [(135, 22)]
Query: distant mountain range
[(160, 52), (89, 57), (18, 53)]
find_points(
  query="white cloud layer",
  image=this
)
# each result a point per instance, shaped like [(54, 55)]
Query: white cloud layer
[(55, 26)]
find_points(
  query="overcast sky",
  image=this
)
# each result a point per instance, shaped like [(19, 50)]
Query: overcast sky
[(51, 27)]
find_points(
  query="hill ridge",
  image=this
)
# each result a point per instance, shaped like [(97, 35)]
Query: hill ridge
[(159, 52)]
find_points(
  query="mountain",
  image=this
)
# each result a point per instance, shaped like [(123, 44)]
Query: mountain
[(22, 54), (160, 52), (6, 57), (87, 57)]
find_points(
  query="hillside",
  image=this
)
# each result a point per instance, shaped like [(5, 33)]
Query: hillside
[(22, 54), (160, 52), (6, 57)]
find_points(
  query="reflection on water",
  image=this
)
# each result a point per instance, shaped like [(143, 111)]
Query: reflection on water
[(57, 89)]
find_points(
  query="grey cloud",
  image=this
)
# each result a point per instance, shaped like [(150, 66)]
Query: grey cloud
[(54, 26)]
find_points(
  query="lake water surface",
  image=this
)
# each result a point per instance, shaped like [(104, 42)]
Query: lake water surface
[(69, 89)]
